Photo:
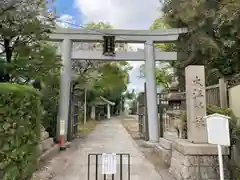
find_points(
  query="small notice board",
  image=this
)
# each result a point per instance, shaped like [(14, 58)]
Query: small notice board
[(109, 163), (218, 129), (218, 134), (62, 127)]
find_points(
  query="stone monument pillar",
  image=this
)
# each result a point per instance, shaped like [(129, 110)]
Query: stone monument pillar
[(195, 158), (196, 104)]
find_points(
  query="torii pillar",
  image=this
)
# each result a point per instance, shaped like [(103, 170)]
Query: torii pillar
[(108, 111), (65, 89), (153, 125)]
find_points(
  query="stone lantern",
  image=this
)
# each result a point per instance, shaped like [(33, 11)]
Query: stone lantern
[(176, 103)]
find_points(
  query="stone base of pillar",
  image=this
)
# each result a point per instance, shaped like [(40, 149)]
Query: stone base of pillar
[(45, 142), (196, 161), (164, 151), (170, 135)]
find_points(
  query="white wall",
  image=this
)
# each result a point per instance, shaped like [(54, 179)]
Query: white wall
[(234, 100)]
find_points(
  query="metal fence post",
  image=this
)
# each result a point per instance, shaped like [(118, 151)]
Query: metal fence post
[(146, 114), (69, 132), (161, 116)]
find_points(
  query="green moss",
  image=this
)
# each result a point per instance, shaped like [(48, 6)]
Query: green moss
[(20, 116)]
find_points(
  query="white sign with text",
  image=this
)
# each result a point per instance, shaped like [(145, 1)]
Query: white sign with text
[(109, 163), (218, 129), (62, 127), (218, 134)]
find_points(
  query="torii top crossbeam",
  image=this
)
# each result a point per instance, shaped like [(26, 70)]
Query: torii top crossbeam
[(124, 36), (129, 36)]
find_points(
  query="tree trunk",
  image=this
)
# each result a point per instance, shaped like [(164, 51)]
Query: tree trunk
[(5, 75)]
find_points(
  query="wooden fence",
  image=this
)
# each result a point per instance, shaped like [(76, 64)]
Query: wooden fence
[(218, 94), (213, 95)]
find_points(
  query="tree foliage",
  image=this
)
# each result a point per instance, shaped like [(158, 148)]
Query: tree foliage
[(24, 23), (113, 80), (163, 74), (20, 117), (213, 39), (25, 57)]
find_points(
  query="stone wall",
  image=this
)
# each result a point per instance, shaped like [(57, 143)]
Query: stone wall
[(164, 151), (196, 161), (45, 142)]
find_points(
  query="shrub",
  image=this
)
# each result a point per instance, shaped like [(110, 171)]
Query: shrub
[(50, 102), (233, 127), (20, 115), (184, 121), (211, 109)]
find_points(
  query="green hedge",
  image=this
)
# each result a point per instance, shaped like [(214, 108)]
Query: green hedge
[(234, 129), (50, 102), (20, 116)]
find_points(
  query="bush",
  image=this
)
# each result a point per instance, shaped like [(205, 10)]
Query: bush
[(211, 109), (233, 127), (20, 115), (184, 121), (50, 102)]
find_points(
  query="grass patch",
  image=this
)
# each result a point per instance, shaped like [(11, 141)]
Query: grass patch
[(84, 129), (132, 127)]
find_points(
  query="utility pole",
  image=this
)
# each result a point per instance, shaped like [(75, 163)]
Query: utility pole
[(85, 105)]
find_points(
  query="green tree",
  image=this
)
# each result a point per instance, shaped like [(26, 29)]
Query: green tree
[(24, 23), (113, 81), (25, 57), (32, 64), (213, 38), (163, 75), (99, 25), (159, 23)]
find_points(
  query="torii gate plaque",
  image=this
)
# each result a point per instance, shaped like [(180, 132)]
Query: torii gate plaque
[(69, 35)]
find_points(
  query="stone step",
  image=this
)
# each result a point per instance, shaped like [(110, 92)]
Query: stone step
[(164, 154), (44, 135), (46, 144), (165, 143), (170, 135)]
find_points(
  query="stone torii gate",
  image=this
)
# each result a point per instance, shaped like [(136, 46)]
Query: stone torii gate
[(69, 35)]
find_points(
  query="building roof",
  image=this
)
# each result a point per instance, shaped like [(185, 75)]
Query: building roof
[(102, 101)]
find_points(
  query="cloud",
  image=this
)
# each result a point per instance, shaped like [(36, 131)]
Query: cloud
[(122, 14), (127, 14), (65, 21)]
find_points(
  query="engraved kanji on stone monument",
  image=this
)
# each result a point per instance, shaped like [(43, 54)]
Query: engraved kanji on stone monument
[(198, 93), (196, 104)]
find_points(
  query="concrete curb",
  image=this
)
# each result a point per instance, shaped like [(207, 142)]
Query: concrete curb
[(48, 154)]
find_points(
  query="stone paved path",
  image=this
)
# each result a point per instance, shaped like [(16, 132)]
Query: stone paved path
[(109, 137)]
